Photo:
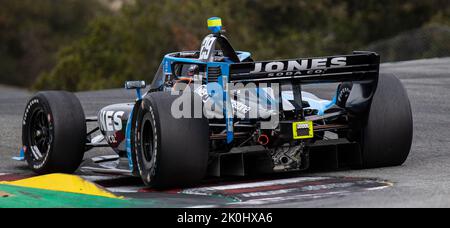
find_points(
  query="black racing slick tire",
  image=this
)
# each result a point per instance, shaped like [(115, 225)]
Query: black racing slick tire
[(387, 136), (170, 152), (54, 132)]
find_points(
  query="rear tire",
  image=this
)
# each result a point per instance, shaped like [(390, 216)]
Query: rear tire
[(387, 136), (170, 152), (54, 132)]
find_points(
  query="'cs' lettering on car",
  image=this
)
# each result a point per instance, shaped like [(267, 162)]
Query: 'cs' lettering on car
[(111, 121), (293, 66)]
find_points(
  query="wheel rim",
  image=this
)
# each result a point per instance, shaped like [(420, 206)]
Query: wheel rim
[(39, 136), (147, 141)]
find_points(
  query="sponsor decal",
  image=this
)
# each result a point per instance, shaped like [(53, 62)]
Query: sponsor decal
[(111, 120), (237, 106), (240, 107), (258, 106), (298, 67), (202, 91), (111, 139)]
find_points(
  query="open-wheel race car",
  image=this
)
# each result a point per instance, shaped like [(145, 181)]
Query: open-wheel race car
[(218, 112)]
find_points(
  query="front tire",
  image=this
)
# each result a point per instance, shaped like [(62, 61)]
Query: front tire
[(170, 152), (54, 132), (387, 136)]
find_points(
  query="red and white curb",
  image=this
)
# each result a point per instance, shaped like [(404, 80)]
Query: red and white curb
[(14, 177), (289, 190), (250, 193), (260, 185)]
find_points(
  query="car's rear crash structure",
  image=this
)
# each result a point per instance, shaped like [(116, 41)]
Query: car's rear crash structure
[(367, 124)]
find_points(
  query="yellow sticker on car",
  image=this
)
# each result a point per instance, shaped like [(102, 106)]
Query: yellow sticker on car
[(302, 130)]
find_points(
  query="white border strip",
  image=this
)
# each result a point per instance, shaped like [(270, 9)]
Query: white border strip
[(293, 198), (252, 185), (94, 178), (124, 189)]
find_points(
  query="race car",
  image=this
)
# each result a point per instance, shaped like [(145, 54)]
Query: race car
[(218, 112)]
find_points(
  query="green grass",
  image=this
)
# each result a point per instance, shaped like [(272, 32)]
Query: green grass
[(21, 197)]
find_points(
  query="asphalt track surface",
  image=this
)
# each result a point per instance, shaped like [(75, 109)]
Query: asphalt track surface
[(423, 181)]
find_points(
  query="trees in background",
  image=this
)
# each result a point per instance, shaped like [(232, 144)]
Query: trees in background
[(130, 44), (31, 32)]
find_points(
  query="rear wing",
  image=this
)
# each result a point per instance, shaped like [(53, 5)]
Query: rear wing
[(360, 66)]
